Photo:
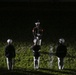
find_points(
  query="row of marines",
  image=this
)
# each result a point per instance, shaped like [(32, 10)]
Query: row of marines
[(61, 49)]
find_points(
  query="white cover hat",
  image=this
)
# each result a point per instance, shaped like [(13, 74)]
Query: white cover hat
[(9, 41), (36, 23), (61, 40)]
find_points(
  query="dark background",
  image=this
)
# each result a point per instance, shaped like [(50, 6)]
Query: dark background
[(58, 19), (39, 0)]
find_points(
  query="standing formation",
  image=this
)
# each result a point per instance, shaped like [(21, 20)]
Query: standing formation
[(37, 31)]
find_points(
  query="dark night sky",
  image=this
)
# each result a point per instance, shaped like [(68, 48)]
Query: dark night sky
[(40, 0), (57, 19)]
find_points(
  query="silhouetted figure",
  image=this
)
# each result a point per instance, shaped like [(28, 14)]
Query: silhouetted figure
[(36, 53), (10, 54), (37, 33), (61, 52)]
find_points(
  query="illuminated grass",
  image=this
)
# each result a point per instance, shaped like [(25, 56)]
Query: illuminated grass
[(24, 61)]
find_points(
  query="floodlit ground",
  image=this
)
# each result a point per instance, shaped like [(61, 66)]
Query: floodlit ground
[(24, 61)]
